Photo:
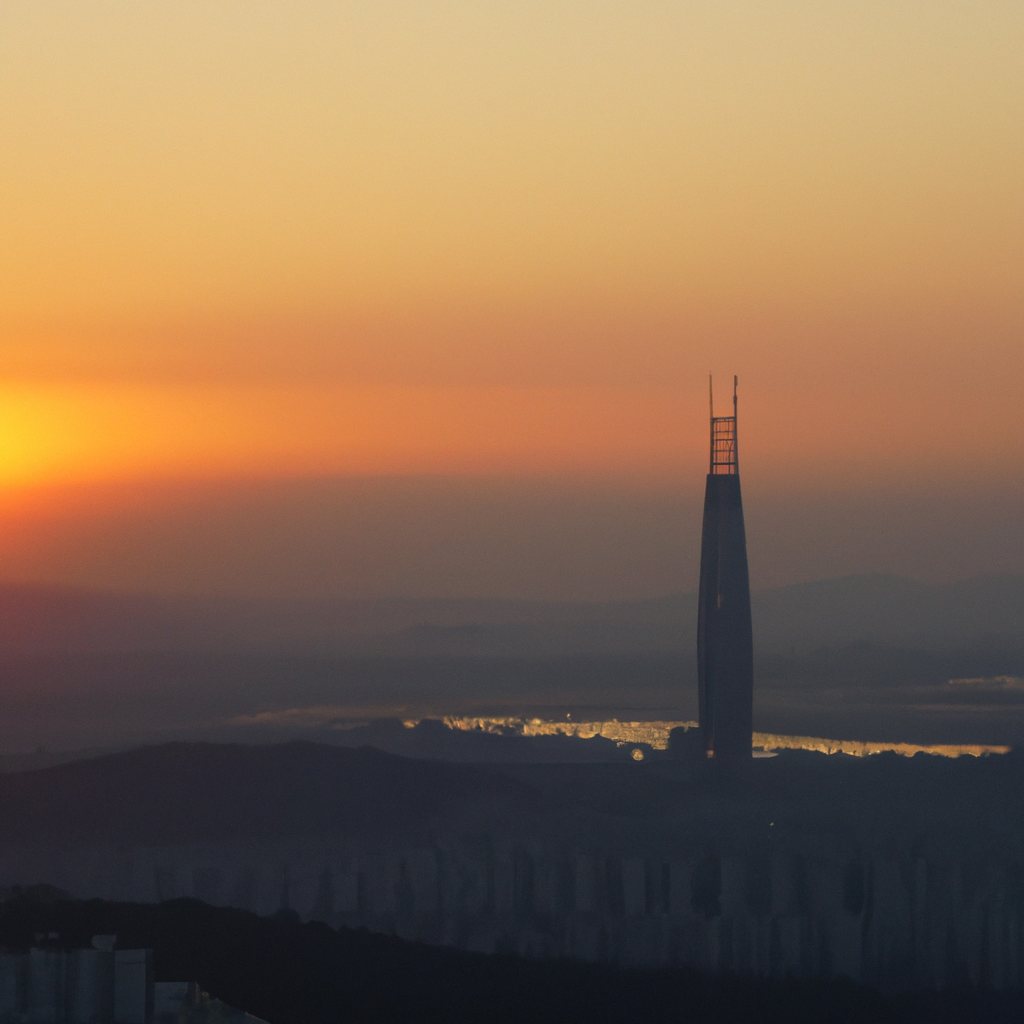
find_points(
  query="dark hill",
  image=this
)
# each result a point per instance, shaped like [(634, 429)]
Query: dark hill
[(290, 973), (199, 792)]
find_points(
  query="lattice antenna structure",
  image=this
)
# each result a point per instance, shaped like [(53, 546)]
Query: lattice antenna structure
[(724, 452)]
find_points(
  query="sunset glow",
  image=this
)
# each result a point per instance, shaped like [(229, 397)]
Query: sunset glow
[(312, 240)]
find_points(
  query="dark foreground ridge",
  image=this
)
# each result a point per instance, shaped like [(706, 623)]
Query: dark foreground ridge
[(291, 973)]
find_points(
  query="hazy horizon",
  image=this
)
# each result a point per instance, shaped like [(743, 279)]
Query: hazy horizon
[(501, 538)]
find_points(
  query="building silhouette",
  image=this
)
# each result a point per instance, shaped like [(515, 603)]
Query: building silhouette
[(725, 646)]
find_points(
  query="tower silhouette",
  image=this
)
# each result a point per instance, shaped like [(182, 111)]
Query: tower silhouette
[(725, 645)]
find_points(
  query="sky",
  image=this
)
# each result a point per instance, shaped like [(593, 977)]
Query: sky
[(355, 298)]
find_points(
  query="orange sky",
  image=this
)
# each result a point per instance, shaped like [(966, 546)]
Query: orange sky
[(323, 239)]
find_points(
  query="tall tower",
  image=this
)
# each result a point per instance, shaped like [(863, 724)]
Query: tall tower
[(725, 645)]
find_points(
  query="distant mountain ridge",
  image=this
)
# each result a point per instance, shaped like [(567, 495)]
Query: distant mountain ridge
[(878, 608), (195, 792)]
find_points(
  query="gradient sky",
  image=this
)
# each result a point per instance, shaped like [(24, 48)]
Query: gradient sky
[(501, 246)]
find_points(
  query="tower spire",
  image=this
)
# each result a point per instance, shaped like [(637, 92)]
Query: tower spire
[(735, 423), (723, 438)]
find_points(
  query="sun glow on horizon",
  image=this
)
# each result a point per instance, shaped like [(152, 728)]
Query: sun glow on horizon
[(54, 433)]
